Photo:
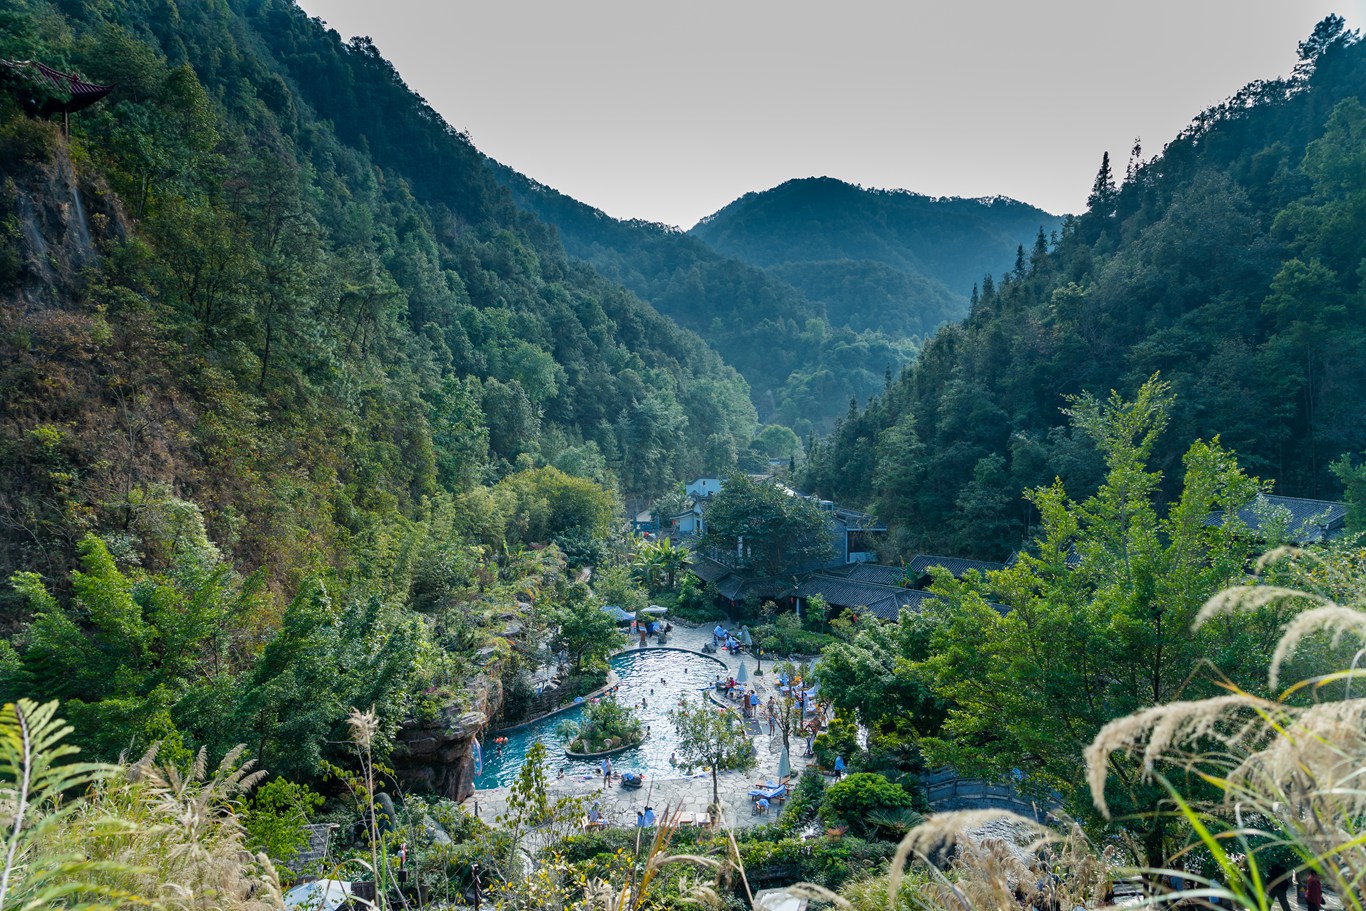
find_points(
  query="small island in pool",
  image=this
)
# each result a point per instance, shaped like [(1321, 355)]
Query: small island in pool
[(607, 727)]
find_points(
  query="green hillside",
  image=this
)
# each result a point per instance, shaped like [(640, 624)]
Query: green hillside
[(941, 245), (291, 384), (804, 361), (1230, 263)]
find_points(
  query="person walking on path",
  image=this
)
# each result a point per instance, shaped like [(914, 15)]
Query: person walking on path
[(753, 704), (1313, 891), (839, 767), (1278, 884), (772, 725)]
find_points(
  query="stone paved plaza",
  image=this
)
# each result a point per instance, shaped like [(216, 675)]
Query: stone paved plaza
[(693, 794)]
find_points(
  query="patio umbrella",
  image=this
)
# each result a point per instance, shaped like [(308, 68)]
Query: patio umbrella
[(742, 675), (656, 609), (784, 765), (745, 638)]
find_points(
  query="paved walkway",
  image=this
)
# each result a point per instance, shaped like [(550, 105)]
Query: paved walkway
[(619, 805)]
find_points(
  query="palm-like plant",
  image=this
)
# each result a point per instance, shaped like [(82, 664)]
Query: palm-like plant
[(659, 561), (672, 559)]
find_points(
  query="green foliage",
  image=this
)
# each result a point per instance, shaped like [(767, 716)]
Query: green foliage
[(545, 502), (785, 636), (606, 725), (1111, 635), (876, 678), (275, 816), (712, 738), (840, 738), (613, 584), (656, 564), (1230, 263), (34, 770), (855, 799), (694, 603), (804, 802), (585, 632), (776, 533)]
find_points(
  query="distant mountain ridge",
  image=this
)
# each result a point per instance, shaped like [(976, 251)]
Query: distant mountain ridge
[(811, 320), (948, 240), (803, 367)]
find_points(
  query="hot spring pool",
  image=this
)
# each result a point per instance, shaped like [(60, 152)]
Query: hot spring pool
[(660, 676)]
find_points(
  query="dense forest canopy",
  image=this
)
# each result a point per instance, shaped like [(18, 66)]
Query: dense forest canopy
[(292, 394), (813, 290), (803, 363), (945, 242), (1231, 264)]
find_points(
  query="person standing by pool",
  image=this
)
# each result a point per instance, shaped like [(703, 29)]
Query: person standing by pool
[(606, 771)]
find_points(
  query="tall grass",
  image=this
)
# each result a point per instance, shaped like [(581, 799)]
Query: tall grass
[(1252, 779)]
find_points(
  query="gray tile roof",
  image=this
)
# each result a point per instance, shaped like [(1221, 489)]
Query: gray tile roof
[(880, 574), (707, 569), (1309, 521), (956, 565), (883, 601)]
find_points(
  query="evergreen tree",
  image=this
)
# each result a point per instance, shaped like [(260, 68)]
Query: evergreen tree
[(1103, 190)]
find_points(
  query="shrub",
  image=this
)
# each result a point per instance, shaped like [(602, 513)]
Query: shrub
[(804, 803), (851, 801), (840, 739), (606, 724), (695, 603)]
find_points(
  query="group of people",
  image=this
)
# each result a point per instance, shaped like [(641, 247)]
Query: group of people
[(722, 639), (645, 819), (1278, 878), (643, 628)]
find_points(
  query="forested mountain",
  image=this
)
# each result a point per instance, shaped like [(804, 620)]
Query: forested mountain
[(1232, 263), (296, 248), (889, 257), (803, 362), (287, 382)]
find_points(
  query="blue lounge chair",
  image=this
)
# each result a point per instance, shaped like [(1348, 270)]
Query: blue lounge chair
[(778, 793)]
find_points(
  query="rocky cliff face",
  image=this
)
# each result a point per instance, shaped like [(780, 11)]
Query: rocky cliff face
[(435, 756), (54, 221)]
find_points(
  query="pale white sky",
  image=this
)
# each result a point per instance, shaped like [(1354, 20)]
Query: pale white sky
[(668, 111)]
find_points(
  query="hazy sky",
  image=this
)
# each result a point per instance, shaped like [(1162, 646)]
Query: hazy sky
[(668, 111)]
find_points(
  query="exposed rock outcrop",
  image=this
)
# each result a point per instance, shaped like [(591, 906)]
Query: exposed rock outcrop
[(57, 219), (435, 756)]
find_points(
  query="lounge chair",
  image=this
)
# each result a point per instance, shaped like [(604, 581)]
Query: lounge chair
[(778, 793)]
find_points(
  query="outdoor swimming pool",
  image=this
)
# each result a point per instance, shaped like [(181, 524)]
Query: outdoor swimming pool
[(660, 676)]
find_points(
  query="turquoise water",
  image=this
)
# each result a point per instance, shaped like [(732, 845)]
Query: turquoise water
[(659, 676)]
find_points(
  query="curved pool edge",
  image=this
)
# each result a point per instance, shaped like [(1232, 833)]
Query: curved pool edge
[(612, 680), (612, 752), (669, 648)]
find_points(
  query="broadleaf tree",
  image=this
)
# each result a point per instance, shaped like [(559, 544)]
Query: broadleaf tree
[(712, 737), (762, 527), (1099, 619)]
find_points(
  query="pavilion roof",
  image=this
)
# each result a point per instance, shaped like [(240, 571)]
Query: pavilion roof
[(77, 92)]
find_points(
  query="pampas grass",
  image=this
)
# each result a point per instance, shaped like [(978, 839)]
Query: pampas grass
[(1287, 773), (171, 836)]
